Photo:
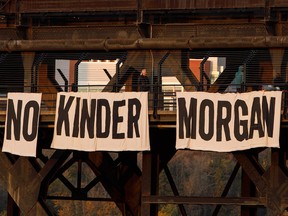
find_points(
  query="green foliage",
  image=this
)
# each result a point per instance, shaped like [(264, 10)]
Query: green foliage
[(168, 210), (72, 207), (197, 173)]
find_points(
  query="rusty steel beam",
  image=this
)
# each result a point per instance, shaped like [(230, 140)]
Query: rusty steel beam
[(252, 171), (227, 187), (251, 201), (12, 208), (145, 43), (174, 188)]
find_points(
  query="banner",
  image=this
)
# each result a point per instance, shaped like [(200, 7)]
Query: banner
[(21, 125), (91, 121), (228, 122)]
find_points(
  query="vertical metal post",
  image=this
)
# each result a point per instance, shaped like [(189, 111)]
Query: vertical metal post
[(267, 10), (248, 189), (150, 181), (12, 208), (35, 71), (76, 73), (203, 73), (139, 12), (146, 182), (243, 88), (121, 60), (27, 59), (156, 93), (174, 189)]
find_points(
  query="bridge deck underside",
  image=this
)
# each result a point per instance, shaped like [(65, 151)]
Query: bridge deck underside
[(29, 179)]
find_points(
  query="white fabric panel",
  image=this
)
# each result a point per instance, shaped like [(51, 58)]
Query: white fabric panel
[(228, 122), (21, 125), (72, 130)]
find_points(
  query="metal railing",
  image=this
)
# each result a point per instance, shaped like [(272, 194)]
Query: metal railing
[(159, 98)]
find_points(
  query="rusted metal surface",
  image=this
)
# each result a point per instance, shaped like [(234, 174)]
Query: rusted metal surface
[(150, 181), (144, 44), (174, 189), (133, 31), (129, 37), (268, 193), (227, 187), (31, 178), (205, 200), (31, 6), (246, 162), (279, 3), (113, 181), (12, 208), (203, 4), (209, 30), (22, 183), (85, 32), (152, 39)]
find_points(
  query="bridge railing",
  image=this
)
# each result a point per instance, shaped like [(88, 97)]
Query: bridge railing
[(159, 98)]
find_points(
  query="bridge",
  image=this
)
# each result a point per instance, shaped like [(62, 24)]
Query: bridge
[(49, 46)]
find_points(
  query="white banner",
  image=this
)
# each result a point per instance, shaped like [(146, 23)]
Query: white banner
[(91, 121), (21, 125), (228, 122)]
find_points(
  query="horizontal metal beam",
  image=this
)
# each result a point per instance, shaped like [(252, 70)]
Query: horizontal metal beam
[(145, 44), (98, 199), (251, 201)]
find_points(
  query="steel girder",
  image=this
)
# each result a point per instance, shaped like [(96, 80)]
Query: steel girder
[(145, 44)]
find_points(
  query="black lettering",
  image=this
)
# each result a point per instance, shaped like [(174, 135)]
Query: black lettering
[(63, 115), (210, 106), (188, 120), (133, 118), (103, 103), (75, 132), (256, 123), (268, 114), (86, 119), (240, 123), (222, 122), (35, 106), (117, 119), (14, 118)]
